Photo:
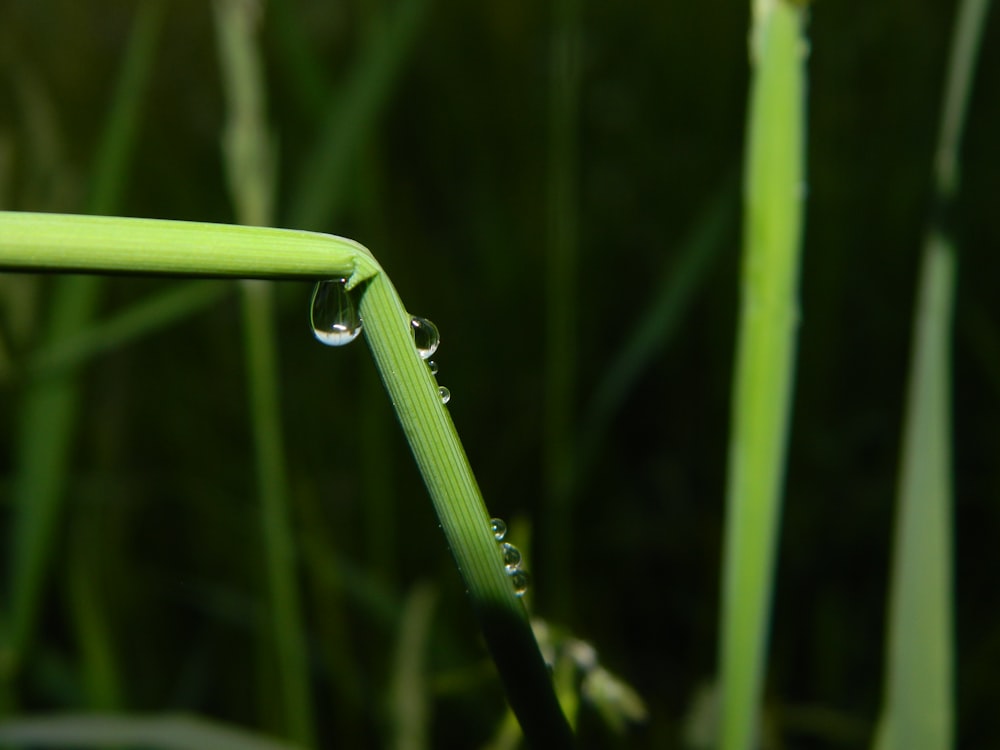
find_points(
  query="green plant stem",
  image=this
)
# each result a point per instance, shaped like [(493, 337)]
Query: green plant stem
[(762, 389), (460, 508), (105, 244)]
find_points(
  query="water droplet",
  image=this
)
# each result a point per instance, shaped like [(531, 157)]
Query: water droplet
[(432, 366), (511, 555), (425, 336), (499, 528), (519, 579), (445, 394), (334, 316)]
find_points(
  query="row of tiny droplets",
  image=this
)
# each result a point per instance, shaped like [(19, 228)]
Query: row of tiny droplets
[(511, 557)]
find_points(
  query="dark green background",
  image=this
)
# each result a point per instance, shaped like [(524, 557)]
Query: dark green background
[(449, 189)]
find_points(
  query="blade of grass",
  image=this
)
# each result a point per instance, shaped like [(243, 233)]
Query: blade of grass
[(919, 693), (250, 161), (101, 244), (762, 387), (462, 513), (106, 244)]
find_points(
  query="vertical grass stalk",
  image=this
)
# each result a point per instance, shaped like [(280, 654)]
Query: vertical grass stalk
[(250, 164), (763, 379), (918, 712)]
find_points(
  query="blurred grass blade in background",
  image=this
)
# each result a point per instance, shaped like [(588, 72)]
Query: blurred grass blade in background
[(350, 120), (410, 697), (50, 407), (919, 712), (158, 311), (155, 732), (250, 164), (765, 358)]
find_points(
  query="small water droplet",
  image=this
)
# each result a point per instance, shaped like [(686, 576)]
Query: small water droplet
[(432, 366), (511, 555), (425, 336), (499, 528), (333, 314), (519, 579), (445, 394)]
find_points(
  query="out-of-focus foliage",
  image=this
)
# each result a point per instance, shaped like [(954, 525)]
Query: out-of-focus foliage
[(449, 191)]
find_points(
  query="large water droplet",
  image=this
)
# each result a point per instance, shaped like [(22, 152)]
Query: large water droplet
[(511, 555), (334, 316), (425, 336), (499, 528), (519, 579), (445, 394)]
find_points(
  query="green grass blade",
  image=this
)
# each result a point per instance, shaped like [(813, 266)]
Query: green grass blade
[(918, 712), (154, 732), (762, 391), (66, 242), (100, 244), (919, 693), (462, 513)]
